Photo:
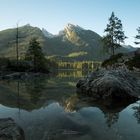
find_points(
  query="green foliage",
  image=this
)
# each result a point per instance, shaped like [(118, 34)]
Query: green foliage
[(51, 64), (76, 54), (115, 34), (59, 46), (11, 65), (134, 62), (129, 61), (35, 55), (23, 66), (112, 60), (4, 62), (84, 65), (138, 36), (84, 41), (8, 40)]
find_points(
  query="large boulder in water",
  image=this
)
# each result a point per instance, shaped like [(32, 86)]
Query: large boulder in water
[(9, 130), (110, 84)]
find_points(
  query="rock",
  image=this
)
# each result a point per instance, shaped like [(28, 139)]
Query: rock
[(136, 69), (15, 75), (22, 75), (9, 130), (110, 84), (137, 51)]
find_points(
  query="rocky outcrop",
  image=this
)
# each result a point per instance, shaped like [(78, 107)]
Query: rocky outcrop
[(110, 84), (9, 130), (131, 60)]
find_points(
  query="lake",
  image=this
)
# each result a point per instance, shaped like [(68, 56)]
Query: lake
[(48, 108)]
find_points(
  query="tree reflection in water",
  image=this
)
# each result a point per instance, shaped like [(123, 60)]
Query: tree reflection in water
[(137, 112), (111, 118), (57, 112), (34, 87), (72, 73), (110, 109), (18, 97)]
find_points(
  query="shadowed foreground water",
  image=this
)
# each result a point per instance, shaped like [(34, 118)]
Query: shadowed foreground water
[(48, 108)]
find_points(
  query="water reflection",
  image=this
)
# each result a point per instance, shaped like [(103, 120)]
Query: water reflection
[(48, 108), (137, 111), (34, 87), (18, 98), (111, 118), (35, 92), (110, 109), (73, 73)]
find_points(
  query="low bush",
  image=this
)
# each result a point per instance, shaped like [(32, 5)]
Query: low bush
[(112, 60)]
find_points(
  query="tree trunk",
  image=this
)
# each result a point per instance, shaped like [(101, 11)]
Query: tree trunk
[(113, 51), (34, 63)]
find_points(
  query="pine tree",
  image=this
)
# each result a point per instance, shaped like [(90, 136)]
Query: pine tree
[(138, 36), (114, 34), (35, 55)]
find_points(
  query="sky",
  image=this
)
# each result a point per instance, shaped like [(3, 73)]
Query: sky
[(53, 15)]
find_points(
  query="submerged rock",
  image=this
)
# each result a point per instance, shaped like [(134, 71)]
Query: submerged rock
[(9, 130), (21, 75), (110, 84)]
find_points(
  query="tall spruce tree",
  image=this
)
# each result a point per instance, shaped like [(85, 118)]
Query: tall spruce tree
[(35, 55), (114, 34), (137, 37)]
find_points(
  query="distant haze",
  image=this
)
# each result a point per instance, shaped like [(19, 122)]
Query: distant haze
[(53, 15)]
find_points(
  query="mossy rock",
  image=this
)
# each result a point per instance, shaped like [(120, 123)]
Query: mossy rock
[(134, 62), (112, 60)]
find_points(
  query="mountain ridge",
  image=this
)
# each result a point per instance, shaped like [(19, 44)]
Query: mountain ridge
[(73, 43)]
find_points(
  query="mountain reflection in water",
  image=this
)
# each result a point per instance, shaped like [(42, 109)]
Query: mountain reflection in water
[(48, 108)]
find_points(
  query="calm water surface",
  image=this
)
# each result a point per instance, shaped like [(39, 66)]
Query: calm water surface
[(48, 108)]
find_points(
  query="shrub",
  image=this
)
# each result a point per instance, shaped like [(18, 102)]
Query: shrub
[(112, 60)]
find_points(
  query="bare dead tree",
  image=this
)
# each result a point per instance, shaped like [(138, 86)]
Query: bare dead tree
[(17, 46)]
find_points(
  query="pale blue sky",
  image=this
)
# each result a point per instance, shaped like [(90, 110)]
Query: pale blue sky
[(55, 14)]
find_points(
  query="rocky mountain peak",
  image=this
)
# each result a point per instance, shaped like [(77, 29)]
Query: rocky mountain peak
[(72, 32), (72, 27), (46, 33)]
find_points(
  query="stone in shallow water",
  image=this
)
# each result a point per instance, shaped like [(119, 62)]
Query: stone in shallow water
[(9, 130)]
